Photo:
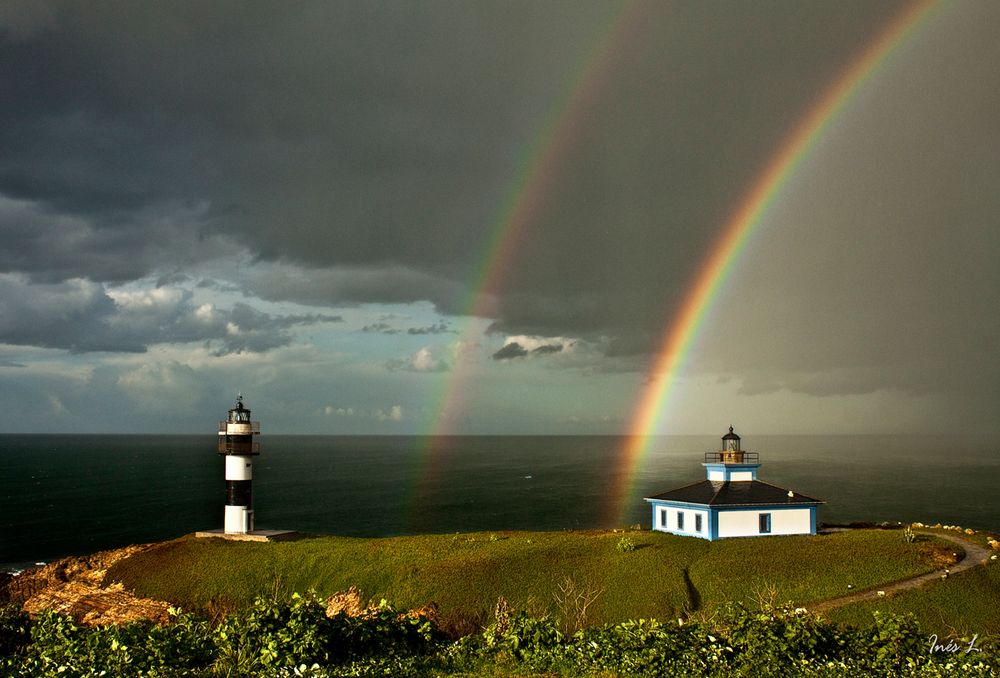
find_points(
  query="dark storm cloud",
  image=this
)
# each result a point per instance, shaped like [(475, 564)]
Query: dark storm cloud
[(81, 316), (73, 315), (514, 349), (380, 328), (360, 152), (440, 327), (348, 285), (251, 331), (511, 351), (51, 246), (387, 136)]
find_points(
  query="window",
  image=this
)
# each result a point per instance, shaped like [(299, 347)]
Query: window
[(697, 522), (680, 520), (663, 517), (765, 523)]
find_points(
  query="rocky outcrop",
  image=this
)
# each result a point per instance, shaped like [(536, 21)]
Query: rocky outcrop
[(351, 603), (76, 586), (348, 602), (97, 605)]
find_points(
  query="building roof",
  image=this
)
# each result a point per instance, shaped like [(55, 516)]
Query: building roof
[(734, 493)]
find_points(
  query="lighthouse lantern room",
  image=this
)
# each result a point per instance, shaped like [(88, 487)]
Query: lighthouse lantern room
[(236, 444)]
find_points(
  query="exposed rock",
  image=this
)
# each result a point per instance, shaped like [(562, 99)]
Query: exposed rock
[(95, 605), (75, 586), (351, 603), (429, 611)]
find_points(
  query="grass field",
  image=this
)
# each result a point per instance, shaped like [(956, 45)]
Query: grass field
[(665, 576), (962, 605)]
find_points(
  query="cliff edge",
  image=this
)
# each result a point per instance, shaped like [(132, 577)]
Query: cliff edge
[(76, 586)]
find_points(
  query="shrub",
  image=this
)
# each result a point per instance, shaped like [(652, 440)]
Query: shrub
[(573, 601), (14, 635), (298, 639), (625, 545)]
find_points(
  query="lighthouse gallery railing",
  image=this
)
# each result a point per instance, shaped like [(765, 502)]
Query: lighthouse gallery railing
[(254, 425), (731, 458)]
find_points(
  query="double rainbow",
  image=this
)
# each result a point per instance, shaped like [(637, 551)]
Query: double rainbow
[(539, 165)]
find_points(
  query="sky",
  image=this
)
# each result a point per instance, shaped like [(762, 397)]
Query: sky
[(311, 203)]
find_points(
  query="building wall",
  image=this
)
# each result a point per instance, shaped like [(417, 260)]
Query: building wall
[(689, 520), (724, 472), (746, 522), (719, 523)]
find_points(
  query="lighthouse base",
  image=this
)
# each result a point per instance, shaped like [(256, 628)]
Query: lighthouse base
[(238, 519), (256, 535)]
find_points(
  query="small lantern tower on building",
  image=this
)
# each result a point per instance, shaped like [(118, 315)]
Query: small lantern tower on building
[(732, 462), (732, 502), (236, 444)]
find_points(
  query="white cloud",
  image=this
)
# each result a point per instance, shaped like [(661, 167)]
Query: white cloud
[(395, 413), (205, 313), (423, 360), (330, 411), (152, 385), (157, 297)]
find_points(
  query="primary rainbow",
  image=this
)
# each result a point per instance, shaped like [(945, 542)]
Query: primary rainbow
[(537, 168), (681, 333)]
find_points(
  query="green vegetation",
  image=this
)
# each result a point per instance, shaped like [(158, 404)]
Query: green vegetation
[(963, 604), (530, 604), (659, 576), (298, 639), (625, 545)]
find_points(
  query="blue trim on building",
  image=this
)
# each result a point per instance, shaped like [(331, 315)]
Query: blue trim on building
[(712, 531), (762, 507), (727, 470)]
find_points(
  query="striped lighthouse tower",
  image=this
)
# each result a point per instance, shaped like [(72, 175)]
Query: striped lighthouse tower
[(236, 444)]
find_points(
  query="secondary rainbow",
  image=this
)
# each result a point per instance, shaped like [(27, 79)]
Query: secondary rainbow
[(537, 168), (680, 335)]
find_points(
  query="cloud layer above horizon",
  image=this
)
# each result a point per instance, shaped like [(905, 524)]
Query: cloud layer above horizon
[(297, 200)]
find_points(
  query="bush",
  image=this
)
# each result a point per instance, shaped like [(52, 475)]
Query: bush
[(625, 545), (298, 639), (14, 634)]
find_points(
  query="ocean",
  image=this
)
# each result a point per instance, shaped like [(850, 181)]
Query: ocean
[(74, 494)]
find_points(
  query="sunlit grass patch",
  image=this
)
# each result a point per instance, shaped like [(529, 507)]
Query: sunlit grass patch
[(805, 569), (963, 604), (465, 574)]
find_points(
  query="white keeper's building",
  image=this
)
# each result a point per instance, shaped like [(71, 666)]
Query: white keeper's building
[(731, 502)]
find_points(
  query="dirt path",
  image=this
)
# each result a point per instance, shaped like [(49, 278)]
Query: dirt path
[(974, 555)]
